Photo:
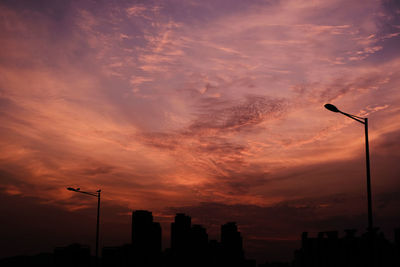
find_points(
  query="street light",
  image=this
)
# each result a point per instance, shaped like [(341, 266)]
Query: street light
[(97, 194), (365, 122)]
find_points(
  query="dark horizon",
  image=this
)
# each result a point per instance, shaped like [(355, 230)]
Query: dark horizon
[(113, 232), (190, 245)]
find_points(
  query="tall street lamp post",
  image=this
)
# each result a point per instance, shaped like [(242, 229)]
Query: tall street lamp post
[(365, 122), (97, 194), (369, 229)]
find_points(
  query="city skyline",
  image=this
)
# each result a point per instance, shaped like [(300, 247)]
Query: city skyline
[(190, 245), (210, 108)]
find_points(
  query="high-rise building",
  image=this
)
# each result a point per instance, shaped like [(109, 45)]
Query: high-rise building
[(231, 238), (198, 237), (146, 238), (232, 245), (189, 244), (180, 233)]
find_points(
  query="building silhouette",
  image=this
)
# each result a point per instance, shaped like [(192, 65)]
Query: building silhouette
[(190, 247), (189, 244), (72, 255), (146, 239), (198, 240), (232, 245), (39, 260), (121, 256), (329, 250), (180, 233)]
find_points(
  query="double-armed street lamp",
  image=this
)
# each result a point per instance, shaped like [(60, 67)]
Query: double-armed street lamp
[(97, 194), (365, 122)]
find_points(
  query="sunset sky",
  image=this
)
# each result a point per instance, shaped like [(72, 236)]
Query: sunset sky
[(213, 108)]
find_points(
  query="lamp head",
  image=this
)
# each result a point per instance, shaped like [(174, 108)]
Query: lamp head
[(331, 108), (73, 189)]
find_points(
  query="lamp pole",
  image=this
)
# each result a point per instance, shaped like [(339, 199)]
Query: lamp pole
[(370, 224), (97, 194), (368, 176), (365, 122)]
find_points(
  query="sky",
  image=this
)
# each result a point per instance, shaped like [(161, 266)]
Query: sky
[(214, 108)]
